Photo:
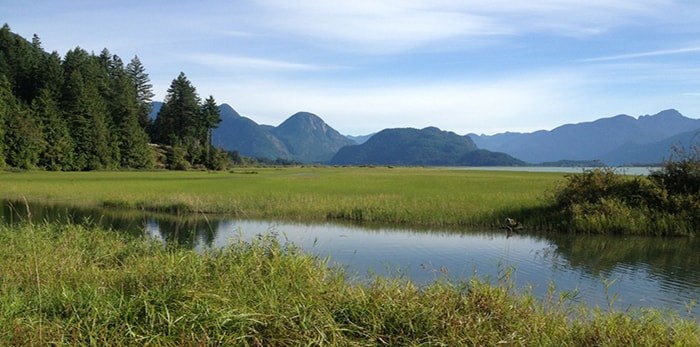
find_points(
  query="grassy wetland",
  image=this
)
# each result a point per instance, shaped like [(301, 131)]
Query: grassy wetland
[(415, 197), (71, 285), (78, 285)]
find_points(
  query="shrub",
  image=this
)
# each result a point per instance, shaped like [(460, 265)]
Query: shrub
[(665, 202)]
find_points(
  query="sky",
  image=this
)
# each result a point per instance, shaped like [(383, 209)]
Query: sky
[(472, 66)]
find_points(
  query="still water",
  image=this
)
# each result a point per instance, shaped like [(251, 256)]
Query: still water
[(631, 272), (625, 170)]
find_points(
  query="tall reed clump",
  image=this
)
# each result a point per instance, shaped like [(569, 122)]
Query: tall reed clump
[(667, 202), (73, 285)]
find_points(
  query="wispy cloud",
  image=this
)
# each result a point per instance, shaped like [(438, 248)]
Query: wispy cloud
[(665, 52), (226, 61), (516, 103), (392, 25)]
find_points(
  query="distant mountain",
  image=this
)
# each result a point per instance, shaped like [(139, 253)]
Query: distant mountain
[(303, 137), (430, 146), (155, 108), (238, 133), (588, 140), (309, 139), (360, 139), (651, 153)]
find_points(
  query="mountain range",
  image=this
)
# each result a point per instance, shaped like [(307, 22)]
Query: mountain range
[(305, 137), (618, 140)]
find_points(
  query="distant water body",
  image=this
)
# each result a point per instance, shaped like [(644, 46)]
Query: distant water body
[(626, 170)]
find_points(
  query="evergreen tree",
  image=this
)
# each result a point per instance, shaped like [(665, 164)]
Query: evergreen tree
[(36, 42), (143, 91), (86, 111), (178, 121), (58, 151), (22, 137), (19, 62), (131, 138), (6, 99), (210, 117), (52, 74), (77, 113)]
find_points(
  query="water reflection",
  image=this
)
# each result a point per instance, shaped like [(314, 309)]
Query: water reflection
[(658, 272)]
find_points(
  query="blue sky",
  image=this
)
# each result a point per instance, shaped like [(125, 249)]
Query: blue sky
[(482, 66)]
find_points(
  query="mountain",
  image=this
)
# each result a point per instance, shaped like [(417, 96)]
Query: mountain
[(303, 137), (588, 140), (360, 139), (155, 108), (238, 133), (309, 139), (430, 146), (651, 153)]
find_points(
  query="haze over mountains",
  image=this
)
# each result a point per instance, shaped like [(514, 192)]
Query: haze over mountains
[(305, 137), (618, 140)]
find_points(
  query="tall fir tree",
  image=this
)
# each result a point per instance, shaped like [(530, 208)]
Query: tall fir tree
[(210, 117), (87, 111), (52, 74), (131, 138), (22, 137), (58, 150), (6, 99), (143, 91), (178, 119)]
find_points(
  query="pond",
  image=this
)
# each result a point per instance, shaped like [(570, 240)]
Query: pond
[(629, 272)]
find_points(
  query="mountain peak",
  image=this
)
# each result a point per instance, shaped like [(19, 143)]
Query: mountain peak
[(227, 111), (666, 114), (308, 136), (304, 116)]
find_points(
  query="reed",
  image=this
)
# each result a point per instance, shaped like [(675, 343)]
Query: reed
[(72, 285), (419, 197)]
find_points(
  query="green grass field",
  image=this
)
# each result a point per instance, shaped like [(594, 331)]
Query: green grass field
[(76, 286), (407, 196)]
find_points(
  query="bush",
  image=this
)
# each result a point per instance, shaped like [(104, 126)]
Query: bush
[(667, 202), (682, 176)]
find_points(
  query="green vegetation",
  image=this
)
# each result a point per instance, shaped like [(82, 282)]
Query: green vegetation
[(71, 285), (90, 112), (398, 196), (667, 202)]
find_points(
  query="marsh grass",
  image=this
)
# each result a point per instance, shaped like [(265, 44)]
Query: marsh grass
[(420, 197), (72, 285)]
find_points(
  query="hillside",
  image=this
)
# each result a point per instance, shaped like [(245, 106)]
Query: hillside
[(238, 133), (303, 137), (651, 153), (309, 139), (430, 146), (588, 140)]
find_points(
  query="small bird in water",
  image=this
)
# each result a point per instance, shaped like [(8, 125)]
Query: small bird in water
[(512, 226)]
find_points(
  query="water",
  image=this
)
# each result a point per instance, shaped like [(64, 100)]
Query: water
[(630, 272), (626, 170)]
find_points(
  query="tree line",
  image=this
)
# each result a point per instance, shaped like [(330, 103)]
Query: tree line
[(87, 111)]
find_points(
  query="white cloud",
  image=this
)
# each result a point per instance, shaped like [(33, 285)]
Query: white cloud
[(394, 25), (459, 107), (656, 53), (228, 61)]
